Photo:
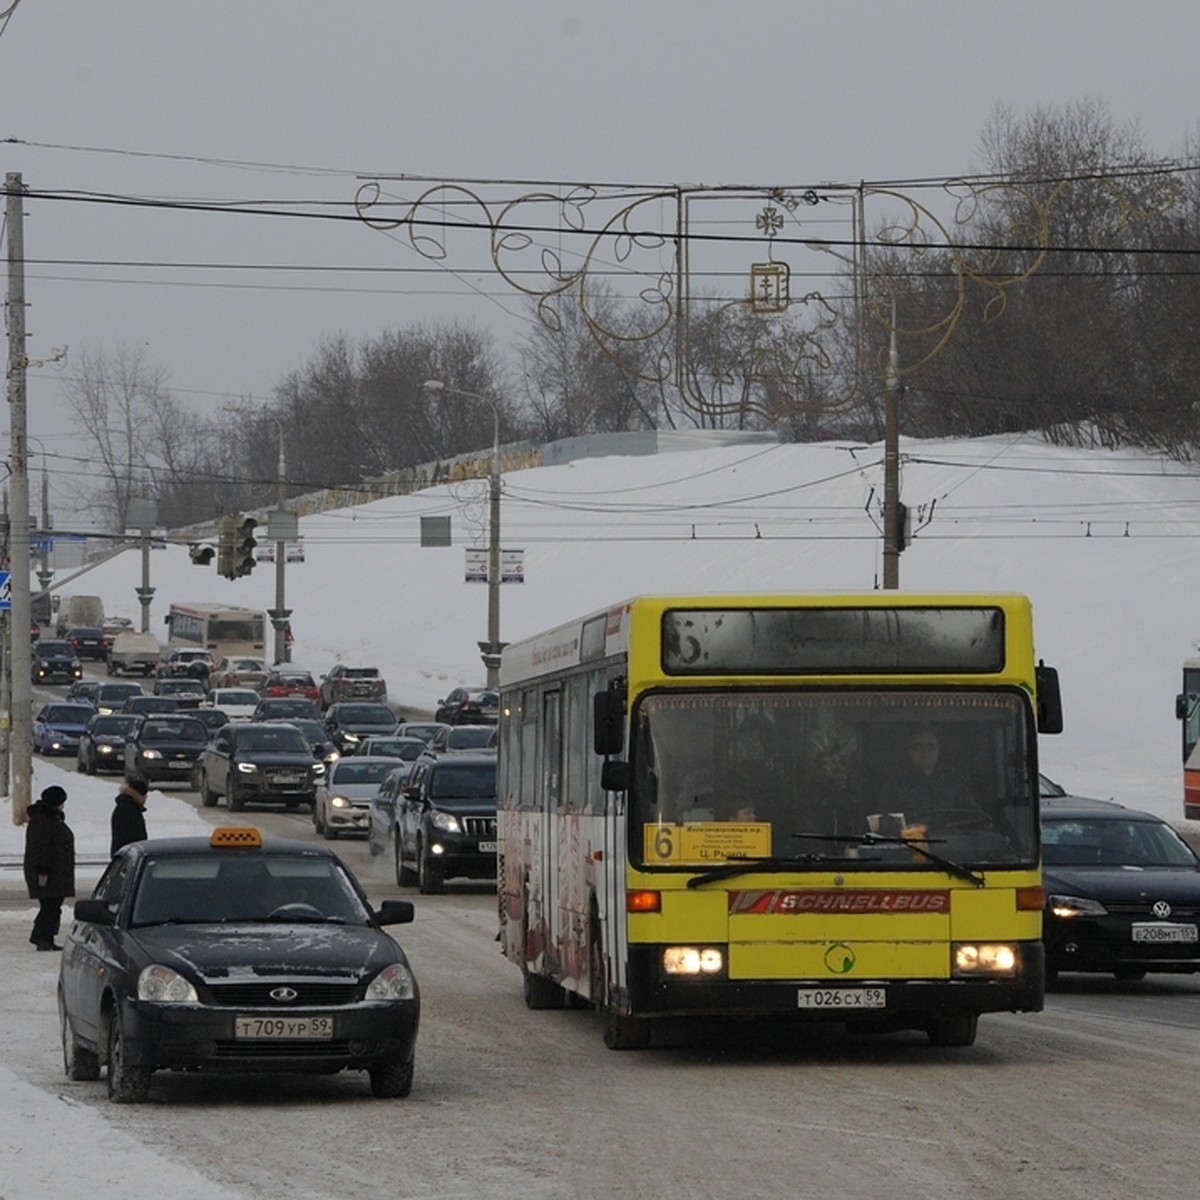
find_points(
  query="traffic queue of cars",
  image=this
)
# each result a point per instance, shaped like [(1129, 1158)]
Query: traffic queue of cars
[(243, 953)]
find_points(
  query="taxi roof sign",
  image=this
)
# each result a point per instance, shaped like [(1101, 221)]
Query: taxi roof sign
[(225, 837)]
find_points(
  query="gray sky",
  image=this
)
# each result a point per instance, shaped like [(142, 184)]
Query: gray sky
[(149, 99)]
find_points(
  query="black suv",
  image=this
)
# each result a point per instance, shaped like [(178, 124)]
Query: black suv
[(446, 821), (250, 761), (469, 706), (348, 723), (55, 661)]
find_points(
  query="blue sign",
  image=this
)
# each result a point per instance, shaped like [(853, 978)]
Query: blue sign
[(5, 591)]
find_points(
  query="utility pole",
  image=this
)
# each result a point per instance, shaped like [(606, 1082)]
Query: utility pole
[(280, 614), (21, 722), (891, 465)]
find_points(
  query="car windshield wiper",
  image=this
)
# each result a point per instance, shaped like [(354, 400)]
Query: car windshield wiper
[(744, 865)]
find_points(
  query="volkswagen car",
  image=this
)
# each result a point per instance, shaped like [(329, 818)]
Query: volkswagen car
[(234, 953), (1122, 891)]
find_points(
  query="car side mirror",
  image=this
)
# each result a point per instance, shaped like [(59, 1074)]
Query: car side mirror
[(395, 912), (95, 912)]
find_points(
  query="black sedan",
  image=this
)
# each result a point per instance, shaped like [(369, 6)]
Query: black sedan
[(89, 641), (234, 954), (102, 742), (165, 747), (1122, 891)]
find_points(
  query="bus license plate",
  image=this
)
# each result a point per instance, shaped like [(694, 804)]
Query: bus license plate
[(297, 1028), (842, 998), (1158, 932)]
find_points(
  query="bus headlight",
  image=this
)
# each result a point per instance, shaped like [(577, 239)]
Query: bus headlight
[(693, 960), (973, 959)]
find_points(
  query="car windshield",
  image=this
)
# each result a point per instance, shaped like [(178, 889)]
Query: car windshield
[(1123, 841), (285, 707), (408, 749), (113, 724), (248, 664), (286, 739), (304, 681), (469, 737), (463, 781), (365, 714), (77, 713), (158, 730), (206, 887), (181, 687), (348, 771), (55, 650)]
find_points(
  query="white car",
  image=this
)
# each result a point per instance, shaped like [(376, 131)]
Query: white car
[(238, 703)]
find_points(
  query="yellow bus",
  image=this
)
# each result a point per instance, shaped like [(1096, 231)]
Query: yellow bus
[(719, 806)]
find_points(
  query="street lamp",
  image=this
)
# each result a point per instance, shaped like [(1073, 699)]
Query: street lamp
[(493, 646)]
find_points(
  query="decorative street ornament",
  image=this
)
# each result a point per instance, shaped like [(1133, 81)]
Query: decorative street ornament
[(769, 287)]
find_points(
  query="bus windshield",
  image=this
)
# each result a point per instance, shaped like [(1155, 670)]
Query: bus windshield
[(830, 774)]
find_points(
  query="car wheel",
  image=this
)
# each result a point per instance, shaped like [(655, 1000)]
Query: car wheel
[(126, 1084), (391, 1080), (328, 832), (80, 765), (429, 878), (90, 765), (79, 1063), (235, 801), (405, 875), (208, 797), (318, 821)]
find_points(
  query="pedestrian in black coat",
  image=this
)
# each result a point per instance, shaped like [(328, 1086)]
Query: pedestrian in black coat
[(49, 864), (129, 814)]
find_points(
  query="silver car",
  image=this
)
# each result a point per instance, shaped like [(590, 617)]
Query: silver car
[(344, 795)]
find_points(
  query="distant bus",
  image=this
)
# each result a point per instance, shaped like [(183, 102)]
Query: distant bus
[(219, 629), (1187, 709)]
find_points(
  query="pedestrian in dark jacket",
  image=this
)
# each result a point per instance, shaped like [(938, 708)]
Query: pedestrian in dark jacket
[(49, 864), (129, 814)]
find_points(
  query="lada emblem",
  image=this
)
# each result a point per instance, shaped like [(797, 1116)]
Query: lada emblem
[(1161, 909), (283, 995), (839, 959)]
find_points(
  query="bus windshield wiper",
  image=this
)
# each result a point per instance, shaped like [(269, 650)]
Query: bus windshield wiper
[(917, 844), (744, 865)]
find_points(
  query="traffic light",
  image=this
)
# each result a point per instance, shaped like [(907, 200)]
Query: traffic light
[(243, 545), (201, 554), (226, 529)]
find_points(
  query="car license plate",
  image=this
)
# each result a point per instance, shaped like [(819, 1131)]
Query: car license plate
[(182, 765), (1158, 932), (298, 1028), (842, 998), (288, 778), (487, 847)]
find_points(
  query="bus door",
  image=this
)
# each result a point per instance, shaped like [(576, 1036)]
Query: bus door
[(544, 899)]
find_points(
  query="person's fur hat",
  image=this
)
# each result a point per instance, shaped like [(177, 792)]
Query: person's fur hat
[(54, 795), (137, 785)]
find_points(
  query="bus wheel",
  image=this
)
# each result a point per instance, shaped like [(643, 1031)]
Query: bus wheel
[(626, 1033), (953, 1031)]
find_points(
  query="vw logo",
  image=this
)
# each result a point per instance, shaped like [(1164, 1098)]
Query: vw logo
[(283, 995), (1161, 909), (839, 958)]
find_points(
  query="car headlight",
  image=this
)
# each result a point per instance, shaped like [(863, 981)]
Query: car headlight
[(350, 737), (165, 986), (339, 802), (1075, 906), (447, 822), (147, 752), (101, 749), (394, 982), (319, 769)]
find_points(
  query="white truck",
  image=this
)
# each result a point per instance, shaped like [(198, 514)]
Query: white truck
[(134, 654)]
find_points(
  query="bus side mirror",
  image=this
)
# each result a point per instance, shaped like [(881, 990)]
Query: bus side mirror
[(1181, 707), (1049, 700), (614, 776), (608, 723)]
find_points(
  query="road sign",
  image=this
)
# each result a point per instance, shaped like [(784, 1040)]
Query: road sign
[(5, 590)]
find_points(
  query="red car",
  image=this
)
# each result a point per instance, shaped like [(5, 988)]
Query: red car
[(290, 683)]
